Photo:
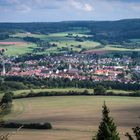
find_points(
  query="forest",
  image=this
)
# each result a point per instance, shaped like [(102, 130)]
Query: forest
[(104, 31)]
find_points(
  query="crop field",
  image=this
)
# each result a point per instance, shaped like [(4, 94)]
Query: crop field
[(72, 117), (63, 40), (108, 48), (27, 34), (50, 37), (113, 48), (85, 44), (16, 48), (74, 34)]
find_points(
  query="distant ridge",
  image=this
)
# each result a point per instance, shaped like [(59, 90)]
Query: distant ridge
[(106, 30), (70, 21)]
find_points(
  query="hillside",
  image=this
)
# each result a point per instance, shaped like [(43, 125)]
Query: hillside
[(109, 30), (71, 36)]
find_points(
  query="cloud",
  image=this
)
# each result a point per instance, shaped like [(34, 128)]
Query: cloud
[(53, 10), (46, 4), (88, 7), (14, 5), (81, 5), (23, 6)]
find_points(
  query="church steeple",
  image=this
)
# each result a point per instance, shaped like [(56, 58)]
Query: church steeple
[(70, 67), (3, 68)]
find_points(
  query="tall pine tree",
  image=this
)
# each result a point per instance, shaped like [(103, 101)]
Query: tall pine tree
[(107, 128)]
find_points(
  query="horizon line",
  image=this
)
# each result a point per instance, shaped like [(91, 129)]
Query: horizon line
[(69, 21)]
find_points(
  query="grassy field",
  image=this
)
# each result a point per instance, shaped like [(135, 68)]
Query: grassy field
[(74, 34), (109, 48), (21, 35), (54, 36), (72, 117), (19, 92), (85, 44), (25, 92), (113, 48), (63, 41), (18, 48)]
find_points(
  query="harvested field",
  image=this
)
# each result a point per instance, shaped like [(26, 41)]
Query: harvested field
[(99, 52), (13, 43), (73, 117)]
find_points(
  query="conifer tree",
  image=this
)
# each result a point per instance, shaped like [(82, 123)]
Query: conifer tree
[(107, 128), (136, 132)]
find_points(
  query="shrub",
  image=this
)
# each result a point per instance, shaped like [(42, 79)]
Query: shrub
[(99, 90), (7, 98), (28, 126)]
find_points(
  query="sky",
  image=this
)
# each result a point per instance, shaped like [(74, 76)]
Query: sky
[(67, 10)]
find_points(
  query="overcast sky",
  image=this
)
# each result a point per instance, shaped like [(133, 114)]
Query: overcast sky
[(63, 10)]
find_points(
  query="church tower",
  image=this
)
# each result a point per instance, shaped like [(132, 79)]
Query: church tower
[(3, 68)]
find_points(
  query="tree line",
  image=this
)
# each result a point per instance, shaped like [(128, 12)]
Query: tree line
[(18, 82)]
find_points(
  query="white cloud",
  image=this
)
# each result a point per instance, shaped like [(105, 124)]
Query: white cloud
[(81, 5), (23, 8), (88, 7), (101, 8), (76, 4)]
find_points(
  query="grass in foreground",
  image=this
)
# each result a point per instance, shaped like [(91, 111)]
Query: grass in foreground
[(74, 117)]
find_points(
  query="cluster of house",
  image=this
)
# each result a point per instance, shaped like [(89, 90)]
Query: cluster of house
[(75, 67)]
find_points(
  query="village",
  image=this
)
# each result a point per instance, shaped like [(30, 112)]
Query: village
[(75, 66), (70, 70)]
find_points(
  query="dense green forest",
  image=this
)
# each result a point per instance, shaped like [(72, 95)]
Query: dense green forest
[(103, 31)]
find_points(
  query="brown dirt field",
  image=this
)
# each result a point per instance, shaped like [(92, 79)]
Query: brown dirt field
[(73, 117), (13, 43), (99, 52)]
